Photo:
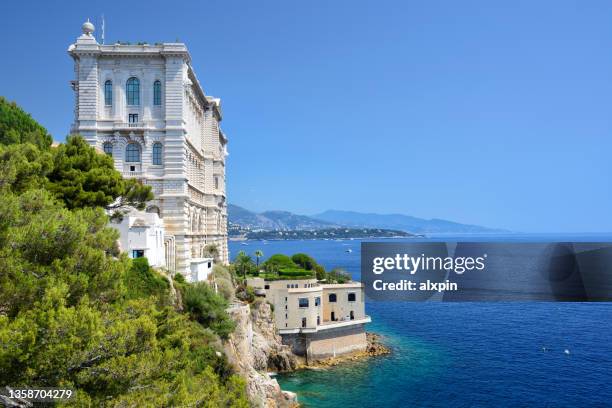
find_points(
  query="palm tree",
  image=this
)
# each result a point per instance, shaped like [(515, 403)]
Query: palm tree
[(258, 254), (243, 261)]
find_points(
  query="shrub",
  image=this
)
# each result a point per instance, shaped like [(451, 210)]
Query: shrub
[(280, 261), (208, 308), (304, 261), (142, 281), (245, 293), (220, 271), (225, 288)]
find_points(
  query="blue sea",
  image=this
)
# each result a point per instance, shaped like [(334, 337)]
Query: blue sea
[(464, 354)]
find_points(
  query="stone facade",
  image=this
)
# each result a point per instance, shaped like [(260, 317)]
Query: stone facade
[(143, 105)]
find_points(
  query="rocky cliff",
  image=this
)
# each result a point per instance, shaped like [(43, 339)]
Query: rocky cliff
[(255, 349)]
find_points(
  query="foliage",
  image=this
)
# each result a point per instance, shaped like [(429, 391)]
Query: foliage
[(208, 308), (212, 251), (82, 177), (23, 167), (245, 293), (278, 261), (179, 278), (76, 313), (144, 281), (319, 272), (300, 266), (69, 319), (224, 281), (17, 126), (304, 261), (244, 264), (338, 275), (225, 288)]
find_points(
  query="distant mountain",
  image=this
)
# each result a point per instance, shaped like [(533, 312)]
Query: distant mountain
[(273, 220), (399, 221), (242, 219)]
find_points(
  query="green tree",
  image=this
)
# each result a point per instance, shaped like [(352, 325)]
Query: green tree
[(244, 263), (208, 308), (305, 261), (279, 261), (82, 177), (23, 167), (74, 312), (17, 126)]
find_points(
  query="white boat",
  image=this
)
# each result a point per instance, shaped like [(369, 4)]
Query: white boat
[(349, 250)]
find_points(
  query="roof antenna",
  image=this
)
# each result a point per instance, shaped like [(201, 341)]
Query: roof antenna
[(102, 28)]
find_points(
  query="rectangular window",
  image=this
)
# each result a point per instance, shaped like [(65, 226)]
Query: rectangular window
[(303, 322), (352, 297), (318, 320), (157, 93), (216, 183), (108, 93), (157, 154), (137, 253), (266, 286), (303, 302), (317, 301), (133, 118)]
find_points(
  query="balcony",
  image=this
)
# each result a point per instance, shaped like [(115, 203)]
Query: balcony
[(132, 170), (130, 126), (327, 325)]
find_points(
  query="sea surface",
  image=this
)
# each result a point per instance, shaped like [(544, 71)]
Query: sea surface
[(464, 354)]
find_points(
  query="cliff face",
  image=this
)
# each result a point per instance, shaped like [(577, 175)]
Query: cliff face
[(254, 348)]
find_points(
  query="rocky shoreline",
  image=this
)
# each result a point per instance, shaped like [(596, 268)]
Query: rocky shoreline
[(255, 349)]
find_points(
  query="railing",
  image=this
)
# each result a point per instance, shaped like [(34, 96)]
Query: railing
[(123, 125)]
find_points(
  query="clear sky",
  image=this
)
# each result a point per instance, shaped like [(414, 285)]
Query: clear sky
[(496, 113)]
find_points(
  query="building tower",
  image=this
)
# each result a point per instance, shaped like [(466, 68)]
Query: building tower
[(143, 105)]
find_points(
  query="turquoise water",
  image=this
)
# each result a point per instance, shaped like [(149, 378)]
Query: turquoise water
[(464, 354)]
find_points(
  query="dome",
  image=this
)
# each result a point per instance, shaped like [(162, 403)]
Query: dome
[(87, 27)]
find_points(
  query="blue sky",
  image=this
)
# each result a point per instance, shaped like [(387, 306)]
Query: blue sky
[(485, 112)]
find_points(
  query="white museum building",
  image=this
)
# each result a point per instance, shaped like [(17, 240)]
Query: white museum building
[(144, 106)]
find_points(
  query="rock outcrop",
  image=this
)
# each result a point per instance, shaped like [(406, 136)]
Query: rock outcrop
[(254, 348)]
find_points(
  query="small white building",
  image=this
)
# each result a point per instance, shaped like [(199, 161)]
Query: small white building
[(141, 234), (201, 268)]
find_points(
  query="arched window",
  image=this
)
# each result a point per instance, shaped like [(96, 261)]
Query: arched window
[(157, 153), (108, 93), (108, 148), (132, 91), (332, 297), (132, 153), (157, 93)]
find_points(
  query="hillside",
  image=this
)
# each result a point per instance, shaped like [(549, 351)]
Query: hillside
[(242, 219), (399, 221), (273, 220)]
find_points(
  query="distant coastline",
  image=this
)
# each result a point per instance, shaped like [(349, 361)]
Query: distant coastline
[(319, 234)]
